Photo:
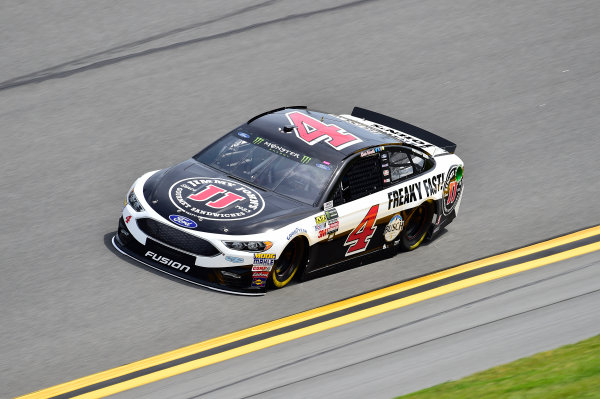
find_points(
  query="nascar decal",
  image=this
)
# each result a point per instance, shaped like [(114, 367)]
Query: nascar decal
[(452, 189), (216, 199), (360, 237), (312, 131), (393, 228), (333, 227)]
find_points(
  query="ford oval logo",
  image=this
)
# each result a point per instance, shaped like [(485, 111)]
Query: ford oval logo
[(183, 221), (244, 135)]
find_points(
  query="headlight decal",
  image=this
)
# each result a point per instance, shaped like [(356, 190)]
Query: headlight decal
[(134, 202), (249, 246)]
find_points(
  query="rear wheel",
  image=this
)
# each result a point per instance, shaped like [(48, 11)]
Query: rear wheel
[(416, 224), (288, 264)]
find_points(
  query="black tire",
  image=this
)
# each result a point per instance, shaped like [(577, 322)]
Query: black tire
[(416, 225), (291, 260)]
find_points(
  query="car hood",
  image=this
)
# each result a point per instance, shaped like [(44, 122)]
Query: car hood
[(200, 198)]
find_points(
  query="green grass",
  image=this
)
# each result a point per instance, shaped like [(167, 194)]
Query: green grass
[(572, 371)]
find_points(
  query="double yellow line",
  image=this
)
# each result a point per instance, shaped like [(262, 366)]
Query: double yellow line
[(132, 375)]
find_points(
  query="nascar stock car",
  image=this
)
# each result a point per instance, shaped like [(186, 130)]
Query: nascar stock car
[(289, 193)]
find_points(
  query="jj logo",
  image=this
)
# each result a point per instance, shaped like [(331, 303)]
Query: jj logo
[(452, 192), (215, 199), (227, 198), (452, 189)]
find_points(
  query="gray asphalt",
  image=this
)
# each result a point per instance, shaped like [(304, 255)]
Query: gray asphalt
[(93, 95), (411, 348)]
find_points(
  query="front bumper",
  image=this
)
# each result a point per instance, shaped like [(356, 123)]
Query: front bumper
[(235, 280)]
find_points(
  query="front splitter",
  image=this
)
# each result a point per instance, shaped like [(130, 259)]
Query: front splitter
[(215, 287)]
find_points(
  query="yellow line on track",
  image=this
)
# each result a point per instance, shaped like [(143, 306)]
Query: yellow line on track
[(314, 313), (362, 314)]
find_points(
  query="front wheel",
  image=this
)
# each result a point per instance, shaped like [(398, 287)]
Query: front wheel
[(416, 224), (289, 263)]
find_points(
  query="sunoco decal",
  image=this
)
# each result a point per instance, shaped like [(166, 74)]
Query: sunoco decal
[(216, 199), (259, 282), (183, 221), (452, 190), (393, 228)]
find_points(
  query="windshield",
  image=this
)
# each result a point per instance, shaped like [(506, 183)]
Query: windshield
[(268, 165)]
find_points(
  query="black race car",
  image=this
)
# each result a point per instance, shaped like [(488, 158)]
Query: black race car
[(291, 192)]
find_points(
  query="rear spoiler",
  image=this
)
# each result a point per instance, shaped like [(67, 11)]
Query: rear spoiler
[(404, 127)]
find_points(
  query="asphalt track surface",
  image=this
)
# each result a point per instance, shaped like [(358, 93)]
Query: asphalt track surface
[(408, 349), (93, 95)]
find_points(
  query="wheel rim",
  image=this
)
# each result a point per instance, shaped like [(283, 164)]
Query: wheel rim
[(287, 264), (414, 223)]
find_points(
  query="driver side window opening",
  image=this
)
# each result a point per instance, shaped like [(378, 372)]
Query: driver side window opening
[(362, 178)]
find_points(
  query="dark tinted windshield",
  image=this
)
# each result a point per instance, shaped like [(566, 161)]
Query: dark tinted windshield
[(268, 165)]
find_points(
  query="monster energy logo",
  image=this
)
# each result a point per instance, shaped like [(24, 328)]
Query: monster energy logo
[(258, 140), (305, 159)]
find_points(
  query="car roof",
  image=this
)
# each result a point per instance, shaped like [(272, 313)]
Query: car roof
[(278, 126)]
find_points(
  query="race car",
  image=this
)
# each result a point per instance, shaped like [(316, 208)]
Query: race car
[(290, 193)]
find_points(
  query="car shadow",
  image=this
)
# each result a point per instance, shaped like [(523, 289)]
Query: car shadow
[(368, 259)]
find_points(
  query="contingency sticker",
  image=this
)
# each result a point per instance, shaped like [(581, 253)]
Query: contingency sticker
[(263, 260), (320, 219), (259, 282), (393, 228)]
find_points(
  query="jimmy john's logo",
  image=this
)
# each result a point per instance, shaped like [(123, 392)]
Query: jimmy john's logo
[(452, 189), (216, 199)]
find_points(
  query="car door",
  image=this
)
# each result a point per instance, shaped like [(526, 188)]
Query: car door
[(347, 207), (373, 188)]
